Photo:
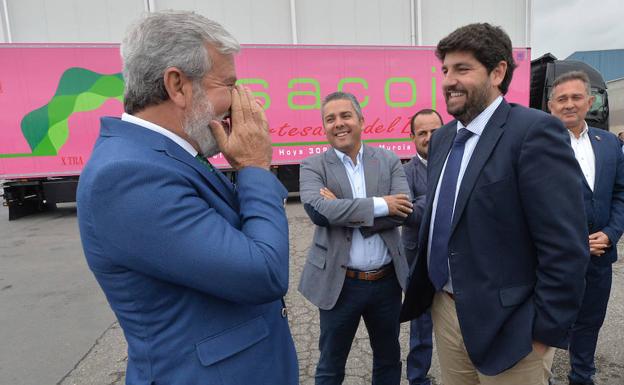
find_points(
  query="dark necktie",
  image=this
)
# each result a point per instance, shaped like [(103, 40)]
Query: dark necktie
[(203, 161), (438, 258), (224, 180)]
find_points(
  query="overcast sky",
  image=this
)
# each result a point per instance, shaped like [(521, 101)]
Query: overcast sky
[(562, 27)]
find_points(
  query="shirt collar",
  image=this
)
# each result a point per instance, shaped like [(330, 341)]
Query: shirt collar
[(423, 160), (477, 125), (584, 133), (161, 130), (344, 158)]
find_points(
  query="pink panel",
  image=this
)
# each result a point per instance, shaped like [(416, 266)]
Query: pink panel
[(392, 82)]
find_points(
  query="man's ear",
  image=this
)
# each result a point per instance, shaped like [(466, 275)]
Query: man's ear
[(498, 73), (178, 87)]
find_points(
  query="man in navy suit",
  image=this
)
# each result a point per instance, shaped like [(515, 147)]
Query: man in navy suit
[(503, 246), (601, 160), (194, 269), (422, 126)]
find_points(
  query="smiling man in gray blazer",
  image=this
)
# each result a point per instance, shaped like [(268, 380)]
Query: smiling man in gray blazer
[(357, 196)]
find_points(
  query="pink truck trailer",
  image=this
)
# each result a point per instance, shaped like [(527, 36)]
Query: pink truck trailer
[(52, 95)]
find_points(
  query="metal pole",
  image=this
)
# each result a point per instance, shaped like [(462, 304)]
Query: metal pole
[(412, 24), (293, 21), (419, 10), (7, 22), (529, 19), (150, 5)]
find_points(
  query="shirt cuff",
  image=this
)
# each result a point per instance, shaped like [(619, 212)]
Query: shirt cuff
[(380, 207)]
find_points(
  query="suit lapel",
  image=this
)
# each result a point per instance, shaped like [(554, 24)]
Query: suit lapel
[(371, 171), (489, 137), (599, 155), (337, 170), (217, 181), (421, 172), (436, 163)]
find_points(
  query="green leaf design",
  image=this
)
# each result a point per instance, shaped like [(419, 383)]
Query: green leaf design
[(46, 128)]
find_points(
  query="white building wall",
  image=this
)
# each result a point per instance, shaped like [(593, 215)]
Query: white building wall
[(64, 21), (250, 21), (440, 17), (370, 22), (376, 22)]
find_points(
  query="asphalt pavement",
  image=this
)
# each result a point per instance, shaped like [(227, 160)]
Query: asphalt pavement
[(56, 326)]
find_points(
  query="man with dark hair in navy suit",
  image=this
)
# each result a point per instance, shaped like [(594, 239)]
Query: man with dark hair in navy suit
[(503, 245), (601, 160), (194, 269), (422, 126)]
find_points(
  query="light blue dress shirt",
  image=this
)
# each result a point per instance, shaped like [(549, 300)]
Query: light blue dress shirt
[(366, 253)]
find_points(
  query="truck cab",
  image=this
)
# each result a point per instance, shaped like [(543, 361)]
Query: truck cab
[(544, 71)]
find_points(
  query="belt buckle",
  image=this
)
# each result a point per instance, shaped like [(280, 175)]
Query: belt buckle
[(374, 275)]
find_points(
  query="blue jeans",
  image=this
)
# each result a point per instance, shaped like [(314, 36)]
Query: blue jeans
[(379, 304), (420, 349), (584, 335)]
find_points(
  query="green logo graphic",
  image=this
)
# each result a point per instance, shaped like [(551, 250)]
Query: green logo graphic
[(46, 130)]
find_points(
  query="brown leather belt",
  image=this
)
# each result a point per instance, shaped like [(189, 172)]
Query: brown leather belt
[(451, 295), (371, 275)]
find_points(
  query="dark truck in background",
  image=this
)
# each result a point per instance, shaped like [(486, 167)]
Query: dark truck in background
[(544, 71)]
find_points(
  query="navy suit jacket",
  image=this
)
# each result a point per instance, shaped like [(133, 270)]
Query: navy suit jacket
[(518, 249), (604, 207), (193, 269), (416, 173)]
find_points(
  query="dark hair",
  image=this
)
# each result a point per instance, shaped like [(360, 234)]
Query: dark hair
[(424, 111), (343, 96), (569, 76), (489, 44)]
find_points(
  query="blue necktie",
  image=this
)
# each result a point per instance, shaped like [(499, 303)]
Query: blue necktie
[(438, 258)]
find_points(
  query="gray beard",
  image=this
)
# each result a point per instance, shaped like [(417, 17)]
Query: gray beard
[(196, 126)]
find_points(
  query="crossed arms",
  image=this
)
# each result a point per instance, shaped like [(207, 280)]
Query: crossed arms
[(325, 205)]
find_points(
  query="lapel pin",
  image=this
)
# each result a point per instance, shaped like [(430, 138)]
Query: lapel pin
[(598, 137)]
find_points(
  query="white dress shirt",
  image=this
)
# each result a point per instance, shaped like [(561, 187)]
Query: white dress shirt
[(366, 253), (584, 153), (423, 160), (161, 130), (476, 126)]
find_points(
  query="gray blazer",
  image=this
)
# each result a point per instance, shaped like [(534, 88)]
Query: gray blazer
[(324, 272)]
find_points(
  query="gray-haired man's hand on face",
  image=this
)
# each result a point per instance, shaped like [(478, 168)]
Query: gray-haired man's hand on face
[(248, 143)]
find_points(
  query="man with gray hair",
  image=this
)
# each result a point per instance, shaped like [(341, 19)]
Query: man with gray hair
[(193, 268), (600, 158), (357, 196)]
